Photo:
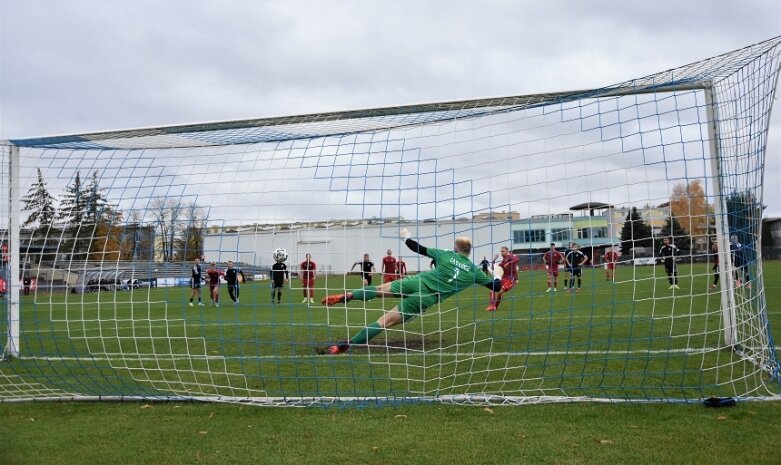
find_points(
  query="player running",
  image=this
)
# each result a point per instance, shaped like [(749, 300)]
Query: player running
[(509, 266), (367, 268), (552, 258), (279, 275), (232, 279), (196, 276), (214, 274), (454, 273)]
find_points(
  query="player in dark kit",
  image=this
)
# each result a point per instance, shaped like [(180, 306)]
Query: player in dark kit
[(484, 265), (739, 262), (196, 276), (232, 278), (279, 275), (669, 252), (367, 268), (575, 259)]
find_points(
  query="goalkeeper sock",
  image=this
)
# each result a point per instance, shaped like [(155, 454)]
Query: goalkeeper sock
[(366, 334), (367, 293)]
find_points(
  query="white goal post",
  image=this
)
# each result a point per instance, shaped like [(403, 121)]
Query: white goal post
[(139, 262)]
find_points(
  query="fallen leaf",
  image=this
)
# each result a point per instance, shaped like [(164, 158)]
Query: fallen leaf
[(211, 415), (375, 449), (633, 426), (203, 432), (521, 436), (604, 441), (721, 417), (145, 406), (32, 419), (401, 417), (488, 410)]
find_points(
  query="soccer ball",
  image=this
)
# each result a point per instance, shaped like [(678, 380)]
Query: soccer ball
[(280, 255)]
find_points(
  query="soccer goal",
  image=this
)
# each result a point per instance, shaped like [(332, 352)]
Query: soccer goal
[(191, 262)]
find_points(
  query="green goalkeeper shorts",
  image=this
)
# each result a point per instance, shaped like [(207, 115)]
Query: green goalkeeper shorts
[(415, 298)]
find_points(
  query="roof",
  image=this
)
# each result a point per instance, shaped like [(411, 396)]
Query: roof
[(591, 206)]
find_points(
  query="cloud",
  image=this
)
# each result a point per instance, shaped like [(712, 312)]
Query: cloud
[(73, 67)]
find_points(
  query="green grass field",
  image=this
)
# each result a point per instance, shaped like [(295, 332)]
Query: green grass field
[(635, 339), (609, 340)]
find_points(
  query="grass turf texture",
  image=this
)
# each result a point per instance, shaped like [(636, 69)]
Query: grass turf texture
[(635, 339), (132, 432), (186, 433)]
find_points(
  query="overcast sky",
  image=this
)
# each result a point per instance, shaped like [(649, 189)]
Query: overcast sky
[(82, 66)]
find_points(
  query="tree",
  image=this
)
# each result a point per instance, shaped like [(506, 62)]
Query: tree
[(635, 233), (40, 204), (191, 242), (97, 208), (689, 205), (680, 238), (73, 208), (168, 216)]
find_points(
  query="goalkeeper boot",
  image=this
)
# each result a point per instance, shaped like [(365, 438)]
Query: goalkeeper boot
[(340, 348), (490, 308), (336, 299)]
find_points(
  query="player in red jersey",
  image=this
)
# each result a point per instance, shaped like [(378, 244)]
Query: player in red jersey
[(552, 258), (509, 264), (308, 273), (611, 258), (214, 274), (401, 267), (389, 268)]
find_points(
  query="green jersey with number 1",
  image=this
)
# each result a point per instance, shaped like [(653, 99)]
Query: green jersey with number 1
[(453, 273)]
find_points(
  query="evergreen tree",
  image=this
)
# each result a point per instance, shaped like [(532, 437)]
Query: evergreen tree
[(73, 209), (40, 204), (680, 237), (102, 223), (635, 233), (97, 207)]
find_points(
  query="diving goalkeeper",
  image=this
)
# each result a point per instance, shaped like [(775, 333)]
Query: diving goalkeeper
[(454, 273)]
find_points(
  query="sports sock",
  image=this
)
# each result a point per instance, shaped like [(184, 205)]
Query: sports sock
[(366, 334), (366, 293)]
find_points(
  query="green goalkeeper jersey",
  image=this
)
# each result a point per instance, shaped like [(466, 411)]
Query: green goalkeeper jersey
[(453, 273)]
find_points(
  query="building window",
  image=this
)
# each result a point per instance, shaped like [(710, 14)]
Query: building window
[(533, 235), (596, 233), (560, 235)]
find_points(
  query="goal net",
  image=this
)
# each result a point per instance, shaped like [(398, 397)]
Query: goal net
[(633, 213)]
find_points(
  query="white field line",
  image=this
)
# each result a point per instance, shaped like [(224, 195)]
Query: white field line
[(432, 354)]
